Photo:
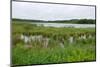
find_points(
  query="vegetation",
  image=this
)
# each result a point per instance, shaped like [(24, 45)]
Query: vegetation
[(78, 50), (86, 21), (77, 21)]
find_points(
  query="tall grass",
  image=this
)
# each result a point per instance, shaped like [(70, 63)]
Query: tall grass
[(79, 50)]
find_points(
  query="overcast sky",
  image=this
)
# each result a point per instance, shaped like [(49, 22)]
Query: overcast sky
[(44, 11)]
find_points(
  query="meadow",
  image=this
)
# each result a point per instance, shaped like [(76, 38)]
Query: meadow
[(54, 45)]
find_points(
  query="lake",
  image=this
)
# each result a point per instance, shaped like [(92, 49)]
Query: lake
[(65, 25)]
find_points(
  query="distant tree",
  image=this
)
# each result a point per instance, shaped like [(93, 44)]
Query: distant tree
[(86, 21)]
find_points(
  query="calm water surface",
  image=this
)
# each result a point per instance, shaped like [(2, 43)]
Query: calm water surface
[(65, 25)]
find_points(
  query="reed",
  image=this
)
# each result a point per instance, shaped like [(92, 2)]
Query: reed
[(56, 45)]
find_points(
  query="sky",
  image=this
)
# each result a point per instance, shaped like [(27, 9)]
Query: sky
[(44, 11)]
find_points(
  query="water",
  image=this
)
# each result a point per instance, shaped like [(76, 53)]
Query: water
[(65, 25)]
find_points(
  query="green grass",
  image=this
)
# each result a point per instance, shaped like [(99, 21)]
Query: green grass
[(80, 50), (71, 53)]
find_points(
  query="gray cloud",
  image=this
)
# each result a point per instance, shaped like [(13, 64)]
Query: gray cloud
[(43, 11)]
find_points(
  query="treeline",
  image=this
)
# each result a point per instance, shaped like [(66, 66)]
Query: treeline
[(86, 21), (15, 19), (76, 21)]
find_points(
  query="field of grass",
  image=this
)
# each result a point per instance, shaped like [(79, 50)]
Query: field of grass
[(78, 50)]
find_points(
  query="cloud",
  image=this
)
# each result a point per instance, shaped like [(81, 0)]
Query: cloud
[(44, 11)]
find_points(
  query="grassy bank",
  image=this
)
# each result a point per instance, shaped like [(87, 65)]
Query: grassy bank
[(78, 50)]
